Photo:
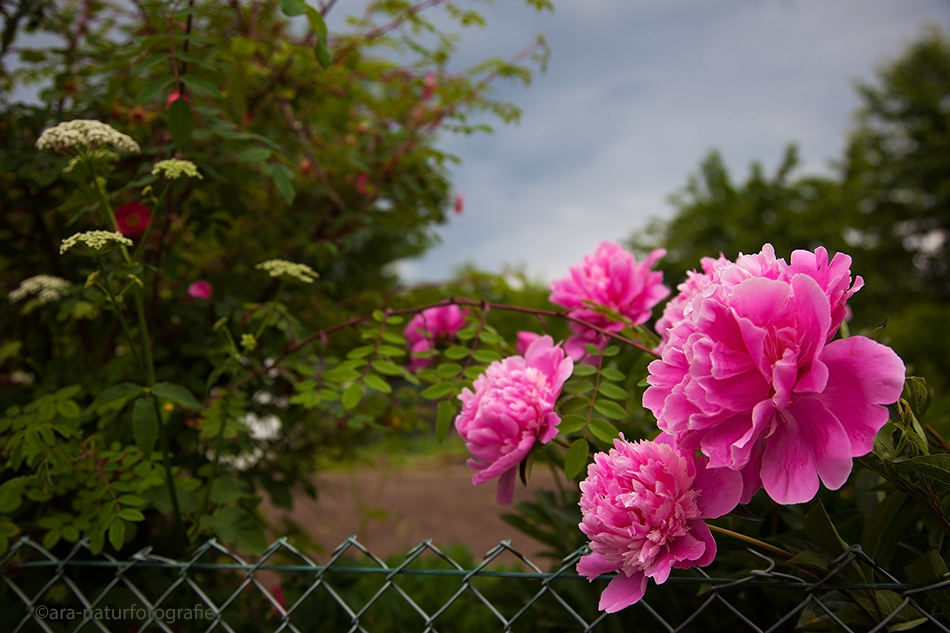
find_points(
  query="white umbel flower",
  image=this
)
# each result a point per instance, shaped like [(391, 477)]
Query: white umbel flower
[(94, 243), (46, 289), (86, 134), (288, 271), (173, 169)]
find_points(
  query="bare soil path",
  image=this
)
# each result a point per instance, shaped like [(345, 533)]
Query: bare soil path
[(391, 509)]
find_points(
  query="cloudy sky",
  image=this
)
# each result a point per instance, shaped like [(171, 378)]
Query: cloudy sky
[(636, 93)]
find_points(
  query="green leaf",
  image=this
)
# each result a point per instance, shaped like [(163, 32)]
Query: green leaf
[(254, 155), (237, 527), (153, 88), (613, 391), (611, 409), (582, 369), (361, 352), (612, 350), (387, 367), (147, 63), (604, 430), (144, 425), (456, 352), (885, 528), (317, 23), (473, 372), (936, 467), (131, 500), (226, 489), (576, 458), (68, 409), (176, 393), (578, 386), (200, 85), (930, 569), (592, 349), (51, 539), (117, 534), (373, 381), (448, 370), (571, 424), (438, 390), (822, 532), (486, 355), (181, 121), (11, 494), (613, 374), (443, 421), (122, 391), (808, 558), (291, 8), (284, 181), (352, 396), (131, 514)]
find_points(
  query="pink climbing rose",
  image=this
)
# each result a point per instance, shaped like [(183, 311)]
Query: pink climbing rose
[(429, 326), (643, 506), (132, 218), (749, 377), (610, 277), (511, 409)]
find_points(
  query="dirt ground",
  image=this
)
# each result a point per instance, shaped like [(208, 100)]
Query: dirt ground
[(391, 509)]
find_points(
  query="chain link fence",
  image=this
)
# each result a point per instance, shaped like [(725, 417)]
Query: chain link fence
[(431, 590)]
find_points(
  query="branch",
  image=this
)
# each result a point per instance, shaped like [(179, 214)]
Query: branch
[(358, 320)]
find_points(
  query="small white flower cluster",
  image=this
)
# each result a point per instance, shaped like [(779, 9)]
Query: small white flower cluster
[(86, 134), (173, 169), (45, 288), (288, 271), (94, 242)]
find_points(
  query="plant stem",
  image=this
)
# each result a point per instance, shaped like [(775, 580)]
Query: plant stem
[(104, 285), (148, 366), (270, 310), (786, 556)]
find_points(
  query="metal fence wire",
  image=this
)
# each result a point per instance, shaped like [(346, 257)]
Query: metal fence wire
[(432, 590)]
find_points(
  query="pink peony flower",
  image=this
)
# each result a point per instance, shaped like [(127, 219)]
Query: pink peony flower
[(643, 506), (424, 329), (510, 411), (677, 307), (525, 339), (749, 377), (199, 290), (132, 218), (610, 277)]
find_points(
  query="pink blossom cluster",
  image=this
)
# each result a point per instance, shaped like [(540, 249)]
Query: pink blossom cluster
[(643, 506), (429, 326), (750, 375), (510, 410), (609, 277)]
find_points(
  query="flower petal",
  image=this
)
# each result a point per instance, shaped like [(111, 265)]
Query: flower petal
[(623, 591), (864, 375)]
